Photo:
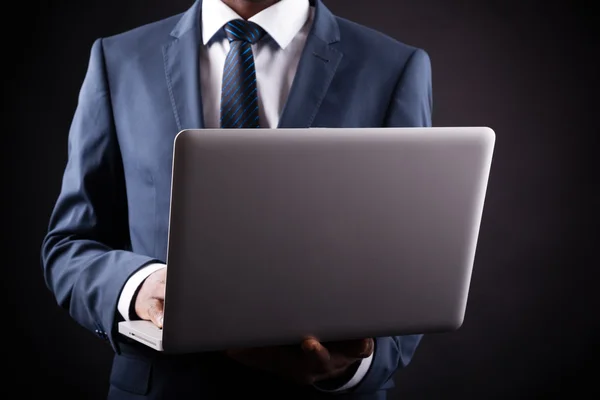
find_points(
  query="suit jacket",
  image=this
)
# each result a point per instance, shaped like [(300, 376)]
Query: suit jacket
[(111, 217)]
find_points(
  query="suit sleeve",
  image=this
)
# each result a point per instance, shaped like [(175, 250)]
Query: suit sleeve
[(85, 254), (411, 106)]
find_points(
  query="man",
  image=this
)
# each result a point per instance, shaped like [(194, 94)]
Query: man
[(229, 63)]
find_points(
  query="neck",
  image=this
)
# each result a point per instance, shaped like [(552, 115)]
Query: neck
[(248, 8)]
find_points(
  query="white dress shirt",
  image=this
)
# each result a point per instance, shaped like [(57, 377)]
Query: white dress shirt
[(276, 57)]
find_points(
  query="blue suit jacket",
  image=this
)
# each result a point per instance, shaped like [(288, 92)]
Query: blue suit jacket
[(141, 88)]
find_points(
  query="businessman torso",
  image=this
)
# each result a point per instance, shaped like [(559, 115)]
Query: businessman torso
[(143, 87), (347, 77)]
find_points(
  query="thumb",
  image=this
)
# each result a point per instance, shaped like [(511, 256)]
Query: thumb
[(156, 312), (312, 347)]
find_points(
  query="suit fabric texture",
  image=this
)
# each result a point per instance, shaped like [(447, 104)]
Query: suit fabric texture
[(111, 216)]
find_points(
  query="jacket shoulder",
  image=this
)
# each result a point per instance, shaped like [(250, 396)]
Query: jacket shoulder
[(365, 42), (136, 40)]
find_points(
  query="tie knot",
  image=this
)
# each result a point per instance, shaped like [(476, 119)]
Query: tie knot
[(245, 31)]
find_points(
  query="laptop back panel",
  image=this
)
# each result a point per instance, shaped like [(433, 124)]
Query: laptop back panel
[(337, 233)]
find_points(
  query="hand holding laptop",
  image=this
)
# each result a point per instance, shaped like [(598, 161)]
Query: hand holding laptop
[(308, 363), (150, 300), (311, 362)]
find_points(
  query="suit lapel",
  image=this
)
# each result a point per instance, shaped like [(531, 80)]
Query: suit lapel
[(316, 70), (182, 70), (315, 73)]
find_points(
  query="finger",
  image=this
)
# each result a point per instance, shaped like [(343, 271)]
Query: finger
[(159, 281), (155, 312), (365, 348), (158, 289), (361, 348), (312, 347)]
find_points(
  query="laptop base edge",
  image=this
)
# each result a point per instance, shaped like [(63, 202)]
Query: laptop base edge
[(144, 332)]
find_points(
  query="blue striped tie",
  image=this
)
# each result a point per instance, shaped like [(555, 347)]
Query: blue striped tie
[(239, 99)]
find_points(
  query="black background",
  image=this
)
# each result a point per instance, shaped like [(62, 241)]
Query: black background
[(527, 69)]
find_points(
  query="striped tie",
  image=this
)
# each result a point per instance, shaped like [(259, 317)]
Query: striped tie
[(239, 99)]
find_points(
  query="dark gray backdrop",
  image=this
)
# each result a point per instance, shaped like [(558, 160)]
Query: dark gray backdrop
[(525, 68)]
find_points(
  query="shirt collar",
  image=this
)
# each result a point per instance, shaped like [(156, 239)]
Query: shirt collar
[(282, 21)]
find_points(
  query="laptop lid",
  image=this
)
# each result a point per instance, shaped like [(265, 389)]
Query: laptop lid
[(336, 233)]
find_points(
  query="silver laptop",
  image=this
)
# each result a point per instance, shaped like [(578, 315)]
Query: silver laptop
[(336, 233)]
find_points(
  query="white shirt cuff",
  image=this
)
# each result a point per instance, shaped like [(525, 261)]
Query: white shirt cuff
[(360, 373), (131, 287)]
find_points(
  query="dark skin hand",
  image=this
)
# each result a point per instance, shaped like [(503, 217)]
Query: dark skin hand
[(310, 363), (150, 299)]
